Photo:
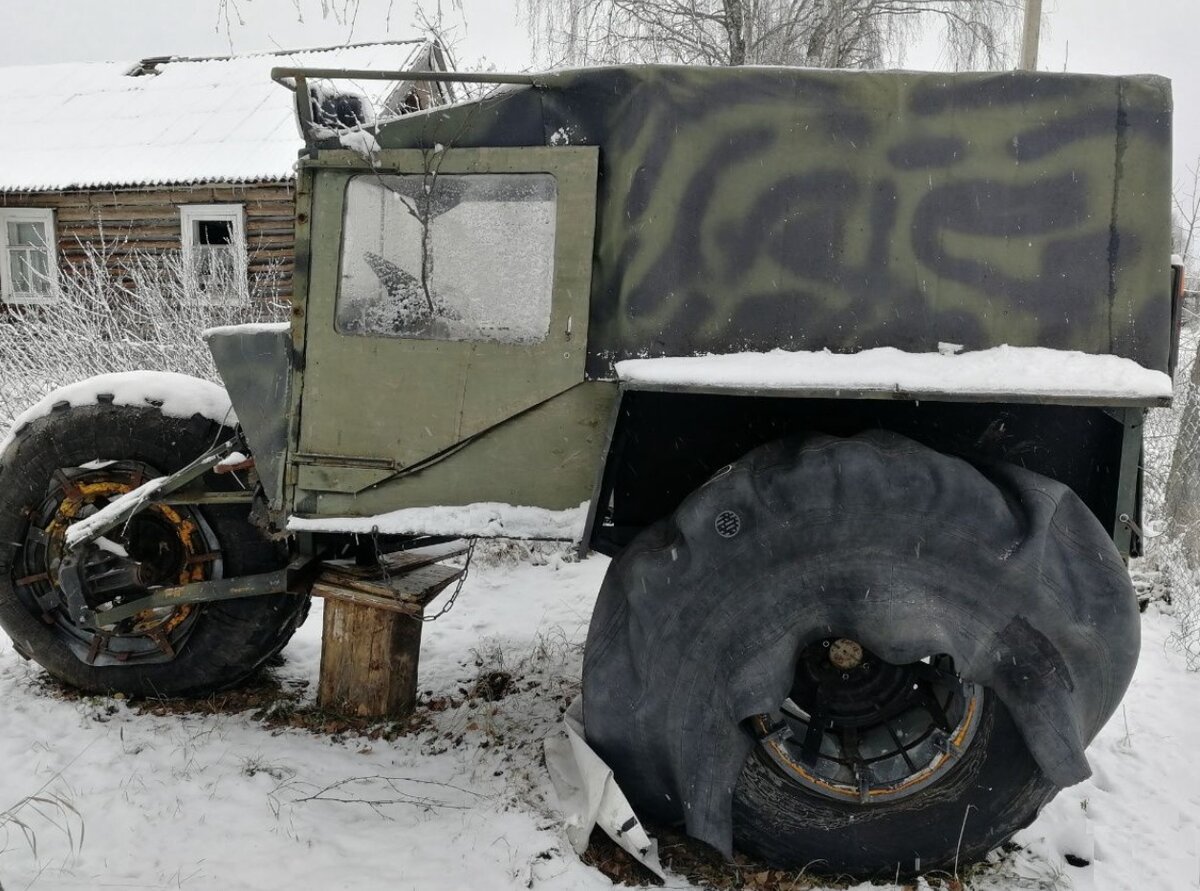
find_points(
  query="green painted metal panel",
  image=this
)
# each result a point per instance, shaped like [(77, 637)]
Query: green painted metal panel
[(300, 287), (548, 456), (404, 400), (339, 478), (706, 210)]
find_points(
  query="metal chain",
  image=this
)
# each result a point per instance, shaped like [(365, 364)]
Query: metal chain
[(387, 576), (449, 604), (462, 579)]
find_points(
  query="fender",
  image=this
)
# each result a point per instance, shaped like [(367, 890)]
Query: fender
[(256, 364)]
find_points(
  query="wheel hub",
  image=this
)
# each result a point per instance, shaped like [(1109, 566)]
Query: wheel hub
[(858, 728), (860, 691), (845, 654), (160, 546)]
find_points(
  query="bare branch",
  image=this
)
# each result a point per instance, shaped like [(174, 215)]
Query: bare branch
[(114, 308), (823, 33)]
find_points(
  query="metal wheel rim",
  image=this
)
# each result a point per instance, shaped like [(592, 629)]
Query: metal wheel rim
[(152, 636), (904, 745)]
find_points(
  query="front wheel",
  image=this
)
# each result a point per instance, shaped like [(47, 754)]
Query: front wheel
[(63, 467), (859, 655)]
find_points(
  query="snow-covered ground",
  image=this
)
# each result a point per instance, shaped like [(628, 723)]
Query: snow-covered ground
[(116, 797)]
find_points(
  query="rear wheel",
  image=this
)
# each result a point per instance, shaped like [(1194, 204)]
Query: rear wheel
[(66, 466), (859, 655)]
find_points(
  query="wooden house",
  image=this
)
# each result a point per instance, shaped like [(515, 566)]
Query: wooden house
[(165, 155)]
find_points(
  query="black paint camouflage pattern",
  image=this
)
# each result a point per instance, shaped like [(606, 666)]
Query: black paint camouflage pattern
[(753, 208)]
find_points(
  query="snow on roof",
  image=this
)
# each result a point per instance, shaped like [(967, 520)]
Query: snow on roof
[(90, 124)]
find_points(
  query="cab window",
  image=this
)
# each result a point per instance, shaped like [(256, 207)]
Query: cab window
[(461, 257)]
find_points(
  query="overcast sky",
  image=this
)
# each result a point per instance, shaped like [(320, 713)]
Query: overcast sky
[(1104, 36)]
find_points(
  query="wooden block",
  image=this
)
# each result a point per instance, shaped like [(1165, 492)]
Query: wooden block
[(365, 598), (372, 635), (415, 557), (414, 588), (369, 660)]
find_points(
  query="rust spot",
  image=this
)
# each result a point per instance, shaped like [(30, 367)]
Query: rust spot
[(67, 485), (94, 649), (233, 468), (160, 640)]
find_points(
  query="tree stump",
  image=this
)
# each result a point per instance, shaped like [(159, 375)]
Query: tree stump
[(369, 659), (371, 642)]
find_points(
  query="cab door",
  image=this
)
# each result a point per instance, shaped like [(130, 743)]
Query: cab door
[(447, 292)]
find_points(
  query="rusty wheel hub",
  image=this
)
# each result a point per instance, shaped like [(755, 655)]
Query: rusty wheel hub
[(161, 546)]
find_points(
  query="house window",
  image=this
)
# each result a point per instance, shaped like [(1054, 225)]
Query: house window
[(29, 271), (214, 249)]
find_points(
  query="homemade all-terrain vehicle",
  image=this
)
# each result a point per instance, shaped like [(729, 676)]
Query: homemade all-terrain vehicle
[(846, 370)]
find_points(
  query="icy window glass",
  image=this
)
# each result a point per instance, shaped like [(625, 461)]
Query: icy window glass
[(28, 258), (449, 257)]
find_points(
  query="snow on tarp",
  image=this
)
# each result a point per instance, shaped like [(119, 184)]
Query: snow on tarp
[(1003, 371), (486, 519), (83, 125), (175, 395)]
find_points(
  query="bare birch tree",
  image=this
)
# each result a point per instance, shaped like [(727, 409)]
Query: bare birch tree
[(431, 17), (811, 33), (1172, 444), (1185, 219)]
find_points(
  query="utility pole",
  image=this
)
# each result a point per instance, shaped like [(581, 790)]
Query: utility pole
[(1031, 34)]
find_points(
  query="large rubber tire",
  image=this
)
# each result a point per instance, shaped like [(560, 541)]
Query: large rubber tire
[(833, 534), (227, 641)]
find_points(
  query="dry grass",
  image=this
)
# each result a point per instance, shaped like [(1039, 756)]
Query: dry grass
[(706, 868), (274, 703)]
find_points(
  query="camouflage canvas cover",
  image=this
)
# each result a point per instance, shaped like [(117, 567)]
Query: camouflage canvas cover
[(754, 208)]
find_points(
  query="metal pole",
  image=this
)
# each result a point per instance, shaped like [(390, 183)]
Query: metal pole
[(1031, 34)]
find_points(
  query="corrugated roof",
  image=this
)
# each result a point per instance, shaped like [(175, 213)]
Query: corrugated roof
[(86, 125)]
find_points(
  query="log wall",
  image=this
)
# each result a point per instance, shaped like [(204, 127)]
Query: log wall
[(147, 219)]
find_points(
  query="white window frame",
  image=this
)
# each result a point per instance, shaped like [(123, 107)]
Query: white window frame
[(45, 216), (191, 214)]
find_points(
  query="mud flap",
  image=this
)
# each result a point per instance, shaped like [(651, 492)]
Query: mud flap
[(589, 796)]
